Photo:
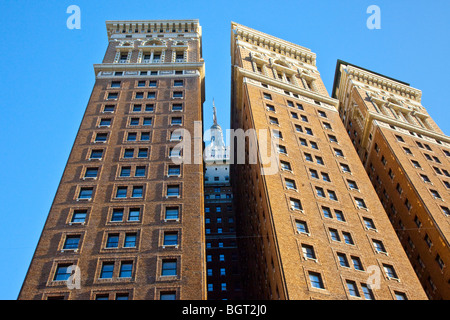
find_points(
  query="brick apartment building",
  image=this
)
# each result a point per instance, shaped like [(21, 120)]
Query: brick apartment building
[(406, 156), (316, 228), (124, 214)]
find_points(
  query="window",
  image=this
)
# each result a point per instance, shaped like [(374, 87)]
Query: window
[(140, 171), (71, 242), (178, 94), (339, 215), (303, 142), (117, 215), (176, 121), (172, 213), (425, 178), (62, 272), (345, 168), (130, 240), (357, 264), (177, 107), (132, 136), (170, 238), (112, 241), (277, 134), (369, 223), (440, 262), (314, 145), (360, 203), (104, 123), (309, 131), (126, 269), (139, 95), (96, 154), (173, 191), (338, 152), (322, 113), (121, 192), (298, 128), (125, 171), (327, 126), (332, 138), (304, 118), (428, 241), (316, 280), (348, 238), (320, 192), (399, 138), (169, 268), (108, 108), (134, 214), (85, 193), (178, 83), (314, 173), (352, 288), (128, 153), (112, 95), (445, 210), (91, 173), (294, 115), (143, 153), (308, 252), (285, 165), (379, 246), (174, 170), (295, 204), (416, 164), (267, 96), (302, 227), (273, 120), (319, 160), (290, 184), (368, 293), (308, 157), (115, 84), (147, 122), (334, 235), (79, 216), (352, 185), (400, 295), (435, 194), (149, 108), (343, 262), (107, 270), (327, 212), (332, 195), (137, 192), (270, 107), (390, 272), (408, 151)]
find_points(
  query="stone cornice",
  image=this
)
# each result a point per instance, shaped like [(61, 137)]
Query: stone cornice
[(285, 86), (382, 82), (267, 41), (152, 26), (200, 66)]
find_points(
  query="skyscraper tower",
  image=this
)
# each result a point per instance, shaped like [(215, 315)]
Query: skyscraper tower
[(222, 254), (314, 229), (127, 221), (407, 157)]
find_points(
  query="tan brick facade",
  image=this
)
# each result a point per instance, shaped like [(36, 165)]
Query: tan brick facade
[(114, 216), (407, 158), (306, 227)]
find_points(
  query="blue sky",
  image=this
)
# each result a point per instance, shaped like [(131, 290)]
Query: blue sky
[(47, 78)]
